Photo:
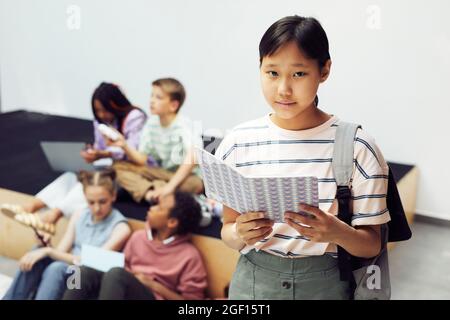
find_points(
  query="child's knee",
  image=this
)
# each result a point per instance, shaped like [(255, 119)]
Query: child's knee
[(88, 274), (55, 269), (115, 274)]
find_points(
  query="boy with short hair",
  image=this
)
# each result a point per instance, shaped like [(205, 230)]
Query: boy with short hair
[(160, 261), (167, 138)]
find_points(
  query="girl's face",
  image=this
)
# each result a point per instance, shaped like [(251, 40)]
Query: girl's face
[(100, 201), (290, 81), (160, 103), (103, 114)]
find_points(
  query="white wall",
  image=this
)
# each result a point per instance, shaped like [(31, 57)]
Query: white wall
[(390, 74)]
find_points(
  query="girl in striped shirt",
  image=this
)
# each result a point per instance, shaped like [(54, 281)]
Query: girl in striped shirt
[(297, 259)]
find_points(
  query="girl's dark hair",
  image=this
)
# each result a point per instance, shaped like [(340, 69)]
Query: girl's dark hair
[(105, 178), (187, 211), (307, 33), (114, 101)]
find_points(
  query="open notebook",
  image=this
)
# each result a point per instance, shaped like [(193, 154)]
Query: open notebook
[(273, 195)]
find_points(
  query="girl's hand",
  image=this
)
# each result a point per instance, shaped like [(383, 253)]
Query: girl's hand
[(28, 260), (45, 238), (157, 194), (252, 227), (322, 227), (119, 142), (90, 154)]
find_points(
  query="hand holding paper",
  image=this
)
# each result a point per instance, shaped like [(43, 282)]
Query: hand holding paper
[(272, 195), (252, 227)]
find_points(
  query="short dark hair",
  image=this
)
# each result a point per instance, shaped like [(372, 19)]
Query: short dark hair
[(187, 211), (306, 32), (173, 88)]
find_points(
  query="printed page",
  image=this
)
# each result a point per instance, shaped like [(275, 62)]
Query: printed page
[(272, 195)]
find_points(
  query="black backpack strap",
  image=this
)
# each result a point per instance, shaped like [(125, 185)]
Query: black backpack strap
[(343, 195), (343, 169)]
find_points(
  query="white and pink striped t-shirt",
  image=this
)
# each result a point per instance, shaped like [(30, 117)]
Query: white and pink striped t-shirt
[(261, 148)]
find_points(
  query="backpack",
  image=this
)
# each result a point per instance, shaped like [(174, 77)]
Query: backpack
[(369, 278)]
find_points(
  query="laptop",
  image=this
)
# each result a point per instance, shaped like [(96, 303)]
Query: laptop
[(65, 156)]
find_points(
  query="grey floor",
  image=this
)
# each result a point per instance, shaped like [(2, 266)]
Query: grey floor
[(420, 267)]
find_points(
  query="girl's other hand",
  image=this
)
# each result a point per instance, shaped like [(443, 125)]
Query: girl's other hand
[(89, 155), (252, 227), (320, 226), (28, 260), (157, 194), (44, 239), (119, 142)]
